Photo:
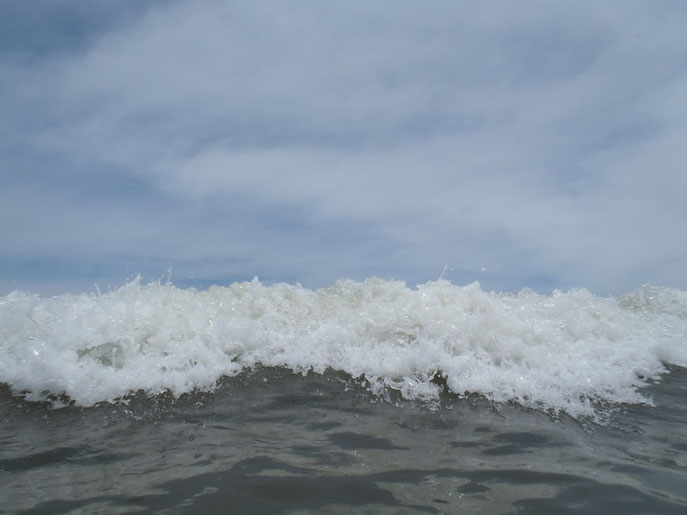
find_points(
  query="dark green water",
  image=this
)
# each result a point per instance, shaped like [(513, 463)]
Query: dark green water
[(274, 442)]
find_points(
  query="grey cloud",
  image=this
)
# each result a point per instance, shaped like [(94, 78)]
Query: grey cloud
[(541, 141)]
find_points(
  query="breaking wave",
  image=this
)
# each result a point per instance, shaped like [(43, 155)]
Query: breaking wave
[(565, 352)]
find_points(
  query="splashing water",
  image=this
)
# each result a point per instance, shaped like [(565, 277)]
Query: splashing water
[(561, 352)]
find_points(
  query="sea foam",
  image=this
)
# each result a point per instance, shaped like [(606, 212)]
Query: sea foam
[(564, 352)]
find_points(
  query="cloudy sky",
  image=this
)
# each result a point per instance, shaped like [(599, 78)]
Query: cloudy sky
[(536, 144)]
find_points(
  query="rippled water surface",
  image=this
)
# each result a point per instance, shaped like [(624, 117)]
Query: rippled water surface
[(278, 442)]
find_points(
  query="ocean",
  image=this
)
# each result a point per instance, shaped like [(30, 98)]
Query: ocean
[(362, 397)]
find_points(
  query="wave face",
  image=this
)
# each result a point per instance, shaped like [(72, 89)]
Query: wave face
[(565, 352)]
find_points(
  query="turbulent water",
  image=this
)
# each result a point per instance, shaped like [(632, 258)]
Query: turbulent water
[(152, 398), (563, 352)]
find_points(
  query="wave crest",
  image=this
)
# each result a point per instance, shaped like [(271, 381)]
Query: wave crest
[(559, 352)]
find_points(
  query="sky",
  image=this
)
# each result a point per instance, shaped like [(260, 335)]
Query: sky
[(537, 144)]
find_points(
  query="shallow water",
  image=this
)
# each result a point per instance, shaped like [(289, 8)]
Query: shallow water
[(278, 442), (360, 397)]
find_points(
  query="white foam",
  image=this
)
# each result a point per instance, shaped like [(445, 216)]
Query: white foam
[(559, 352)]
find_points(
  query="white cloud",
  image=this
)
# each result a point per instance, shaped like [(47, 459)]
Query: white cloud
[(542, 141)]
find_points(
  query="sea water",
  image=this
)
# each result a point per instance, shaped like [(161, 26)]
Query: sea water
[(363, 396)]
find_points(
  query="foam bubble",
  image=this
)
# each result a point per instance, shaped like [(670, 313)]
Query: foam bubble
[(561, 352)]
